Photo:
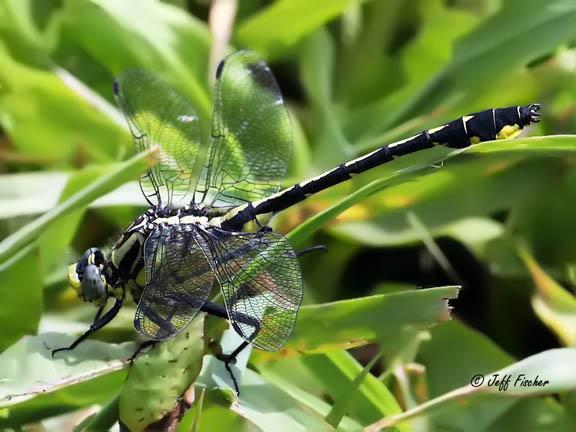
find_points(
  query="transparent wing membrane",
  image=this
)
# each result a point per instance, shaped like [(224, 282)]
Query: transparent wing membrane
[(260, 278), (178, 281), (251, 134), (251, 142), (158, 115)]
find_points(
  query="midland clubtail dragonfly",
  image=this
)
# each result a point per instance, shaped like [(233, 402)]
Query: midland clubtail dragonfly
[(209, 205)]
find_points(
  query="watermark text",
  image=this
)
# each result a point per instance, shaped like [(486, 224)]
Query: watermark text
[(503, 382)]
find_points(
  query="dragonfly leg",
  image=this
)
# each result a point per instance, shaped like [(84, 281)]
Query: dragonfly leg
[(214, 309), (231, 359), (141, 348), (98, 323), (312, 249), (228, 359)]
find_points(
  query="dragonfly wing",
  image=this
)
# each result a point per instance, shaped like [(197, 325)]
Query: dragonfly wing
[(260, 278), (159, 115), (251, 134), (178, 281)]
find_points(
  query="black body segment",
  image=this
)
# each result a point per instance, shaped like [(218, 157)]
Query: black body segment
[(482, 126)]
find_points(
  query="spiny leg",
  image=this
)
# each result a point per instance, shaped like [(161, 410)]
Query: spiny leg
[(227, 359), (99, 322), (231, 358)]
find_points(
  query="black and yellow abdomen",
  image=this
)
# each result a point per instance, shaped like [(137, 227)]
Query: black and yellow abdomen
[(492, 124)]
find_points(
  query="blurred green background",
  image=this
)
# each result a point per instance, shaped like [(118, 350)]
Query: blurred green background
[(497, 219)]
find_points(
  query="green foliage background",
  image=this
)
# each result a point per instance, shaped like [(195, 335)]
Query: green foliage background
[(497, 219)]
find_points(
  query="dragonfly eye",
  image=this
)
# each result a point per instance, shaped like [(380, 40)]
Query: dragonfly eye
[(530, 114), (86, 276), (93, 284)]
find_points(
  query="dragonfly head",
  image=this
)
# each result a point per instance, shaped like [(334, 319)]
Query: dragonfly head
[(530, 114), (87, 276)]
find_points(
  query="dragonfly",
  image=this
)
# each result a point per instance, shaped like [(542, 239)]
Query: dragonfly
[(210, 201)]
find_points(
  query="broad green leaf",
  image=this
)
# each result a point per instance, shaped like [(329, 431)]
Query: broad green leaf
[(367, 70), (69, 399), (448, 368), (47, 122), (317, 68), (355, 322), (496, 46), (432, 48), (285, 381), (28, 369), (155, 36), (215, 415), (21, 296), (17, 24), (285, 22), (269, 408), (116, 176), (32, 193)]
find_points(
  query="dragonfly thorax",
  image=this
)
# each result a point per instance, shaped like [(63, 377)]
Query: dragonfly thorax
[(94, 277)]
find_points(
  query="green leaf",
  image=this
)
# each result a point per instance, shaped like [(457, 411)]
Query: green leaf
[(317, 70), (282, 24), (47, 122), (28, 369), (55, 240), (548, 372), (533, 414), (17, 24), (369, 398), (355, 322), (21, 296), (31, 193), (496, 47), (270, 408), (66, 400), (159, 37), (552, 303), (117, 175)]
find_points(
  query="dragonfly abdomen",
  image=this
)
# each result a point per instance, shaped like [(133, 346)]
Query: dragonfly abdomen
[(499, 123)]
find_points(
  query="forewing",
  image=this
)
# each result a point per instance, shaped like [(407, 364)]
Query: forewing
[(159, 115), (251, 134), (178, 281), (261, 282)]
